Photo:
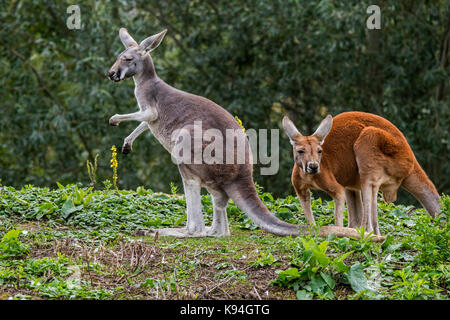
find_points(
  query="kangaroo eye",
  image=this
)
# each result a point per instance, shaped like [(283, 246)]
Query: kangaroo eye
[(320, 151), (300, 151), (128, 59)]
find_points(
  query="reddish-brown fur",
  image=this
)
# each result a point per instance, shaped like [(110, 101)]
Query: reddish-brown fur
[(362, 152)]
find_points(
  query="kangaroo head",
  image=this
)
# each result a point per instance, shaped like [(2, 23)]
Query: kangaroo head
[(131, 61), (307, 149)]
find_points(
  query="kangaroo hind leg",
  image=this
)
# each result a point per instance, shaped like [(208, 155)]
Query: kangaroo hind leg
[(219, 227), (373, 164), (195, 225), (355, 208)]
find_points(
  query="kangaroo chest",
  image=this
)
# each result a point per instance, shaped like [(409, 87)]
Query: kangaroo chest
[(309, 182), (153, 120)]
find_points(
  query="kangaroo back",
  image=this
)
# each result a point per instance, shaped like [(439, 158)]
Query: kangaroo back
[(392, 143)]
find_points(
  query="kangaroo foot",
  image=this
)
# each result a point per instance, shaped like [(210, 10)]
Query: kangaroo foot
[(216, 232)]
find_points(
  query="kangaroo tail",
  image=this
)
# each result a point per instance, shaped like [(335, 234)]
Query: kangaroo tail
[(246, 198), (421, 187)]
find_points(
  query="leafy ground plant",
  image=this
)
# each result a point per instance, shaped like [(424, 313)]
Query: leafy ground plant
[(11, 246), (317, 272), (74, 242), (265, 259)]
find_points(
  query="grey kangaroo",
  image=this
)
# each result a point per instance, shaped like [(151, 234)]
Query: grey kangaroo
[(165, 111)]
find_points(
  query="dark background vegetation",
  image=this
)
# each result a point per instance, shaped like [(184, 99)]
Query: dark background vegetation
[(258, 59)]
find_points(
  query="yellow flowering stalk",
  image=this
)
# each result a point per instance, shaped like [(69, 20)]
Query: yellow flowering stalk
[(240, 123), (114, 165)]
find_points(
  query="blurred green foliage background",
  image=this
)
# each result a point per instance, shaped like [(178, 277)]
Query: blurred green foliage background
[(258, 59)]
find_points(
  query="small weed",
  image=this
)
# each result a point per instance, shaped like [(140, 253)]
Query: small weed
[(107, 184), (158, 285), (265, 259), (92, 171), (231, 273), (11, 246), (173, 188), (318, 272), (411, 286), (432, 237)]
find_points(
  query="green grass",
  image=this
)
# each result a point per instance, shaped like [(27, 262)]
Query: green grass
[(76, 243)]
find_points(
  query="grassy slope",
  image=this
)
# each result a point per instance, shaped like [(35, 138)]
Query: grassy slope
[(78, 243)]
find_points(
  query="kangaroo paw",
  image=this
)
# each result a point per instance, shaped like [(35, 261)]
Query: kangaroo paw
[(126, 149), (113, 121)]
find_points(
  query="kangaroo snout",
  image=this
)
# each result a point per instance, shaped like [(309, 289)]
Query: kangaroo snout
[(113, 75), (312, 167)]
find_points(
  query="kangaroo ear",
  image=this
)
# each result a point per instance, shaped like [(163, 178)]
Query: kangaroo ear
[(324, 128), (126, 39), (290, 129), (151, 43)]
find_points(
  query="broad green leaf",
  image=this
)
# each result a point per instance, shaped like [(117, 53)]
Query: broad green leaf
[(343, 257), (68, 208), (88, 199), (328, 279), (329, 293), (304, 295), (291, 273), (321, 257), (317, 283), (323, 246), (180, 221), (307, 255), (12, 234), (357, 278), (387, 242)]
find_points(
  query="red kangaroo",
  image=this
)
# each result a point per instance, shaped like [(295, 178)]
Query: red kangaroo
[(356, 153)]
